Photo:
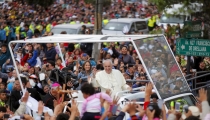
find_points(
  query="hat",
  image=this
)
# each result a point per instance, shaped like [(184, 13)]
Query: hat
[(55, 85), (110, 51), (105, 49), (33, 77), (84, 54), (194, 110), (17, 59)]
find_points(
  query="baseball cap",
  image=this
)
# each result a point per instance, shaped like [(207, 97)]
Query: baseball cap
[(194, 110)]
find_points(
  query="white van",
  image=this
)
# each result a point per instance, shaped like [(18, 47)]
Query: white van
[(70, 28), (173, 16), (118, 26)]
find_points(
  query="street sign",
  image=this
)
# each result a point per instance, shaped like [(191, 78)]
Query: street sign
[(193, 47), (192, 34), (194, 29)]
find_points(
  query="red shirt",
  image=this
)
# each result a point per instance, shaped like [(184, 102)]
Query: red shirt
[(65, 44)]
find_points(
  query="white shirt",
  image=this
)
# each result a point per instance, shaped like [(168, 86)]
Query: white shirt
[(113, 81)]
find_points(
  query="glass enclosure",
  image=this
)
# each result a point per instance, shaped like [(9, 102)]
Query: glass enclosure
[(162, 67)]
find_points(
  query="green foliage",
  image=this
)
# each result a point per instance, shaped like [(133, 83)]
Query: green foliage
[(156, 31), (43, 3)]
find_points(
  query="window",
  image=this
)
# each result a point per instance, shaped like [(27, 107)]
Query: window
[(141, 25), (188, 100), (68, 30), (115, 26)]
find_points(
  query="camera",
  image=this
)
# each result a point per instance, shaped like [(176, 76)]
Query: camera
[(151, 108)]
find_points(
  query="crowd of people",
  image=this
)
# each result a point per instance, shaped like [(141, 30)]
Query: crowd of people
[(47, 77)]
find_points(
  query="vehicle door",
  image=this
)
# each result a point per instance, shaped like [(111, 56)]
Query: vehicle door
[(141, 26)]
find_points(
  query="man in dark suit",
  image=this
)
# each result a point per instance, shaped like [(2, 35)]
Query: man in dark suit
[(16, 94)]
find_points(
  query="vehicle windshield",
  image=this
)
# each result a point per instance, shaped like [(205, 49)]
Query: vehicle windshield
[(172, 19), (116, 26), (68, 30), (185, 100), (165, 73)]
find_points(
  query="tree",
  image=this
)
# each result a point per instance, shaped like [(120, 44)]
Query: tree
[(205, 14)]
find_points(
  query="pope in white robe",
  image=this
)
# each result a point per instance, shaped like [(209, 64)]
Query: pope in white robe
[(110, 79)]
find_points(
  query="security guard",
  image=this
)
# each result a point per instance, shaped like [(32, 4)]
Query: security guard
[(151, 23), (48, 27), (3, 96), (7, 29), (17, 31), (22, 33), (105, 21), (73, 21), (38, 26), (31, 27)]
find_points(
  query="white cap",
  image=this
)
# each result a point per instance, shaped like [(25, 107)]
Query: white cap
[(194, 110)]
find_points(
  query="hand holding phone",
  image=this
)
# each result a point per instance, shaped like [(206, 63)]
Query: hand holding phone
[(177, 106), (185, 108), (160, 103)]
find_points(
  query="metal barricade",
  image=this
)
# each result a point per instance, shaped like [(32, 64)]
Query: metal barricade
[(200, 80)]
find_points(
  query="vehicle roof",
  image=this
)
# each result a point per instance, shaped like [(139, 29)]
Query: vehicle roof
[(75, 26), (82, 38), (127, 20)]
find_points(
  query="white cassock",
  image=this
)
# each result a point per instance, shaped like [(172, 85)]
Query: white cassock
[(114, 81)]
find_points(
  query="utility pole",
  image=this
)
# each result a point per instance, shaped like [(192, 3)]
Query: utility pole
[(98, 17), (97, 26)]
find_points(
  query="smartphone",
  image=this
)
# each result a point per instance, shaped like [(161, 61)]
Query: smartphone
[(160, 103), (177, 106), (185, 108), (6, 116), (66, 107), (114, 109)]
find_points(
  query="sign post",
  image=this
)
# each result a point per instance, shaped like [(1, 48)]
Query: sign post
[(193, 47), (194, 29)]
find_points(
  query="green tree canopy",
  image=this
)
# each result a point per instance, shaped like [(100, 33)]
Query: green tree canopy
[(204, 14)]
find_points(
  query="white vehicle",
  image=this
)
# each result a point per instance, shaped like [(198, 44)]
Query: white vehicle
[(70, 28), (124, 25), (173, 16), (143, 45)]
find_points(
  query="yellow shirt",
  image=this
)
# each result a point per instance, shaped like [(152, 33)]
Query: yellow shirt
[(48, 28), (7, 30), (17, 30), (105, 21)]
